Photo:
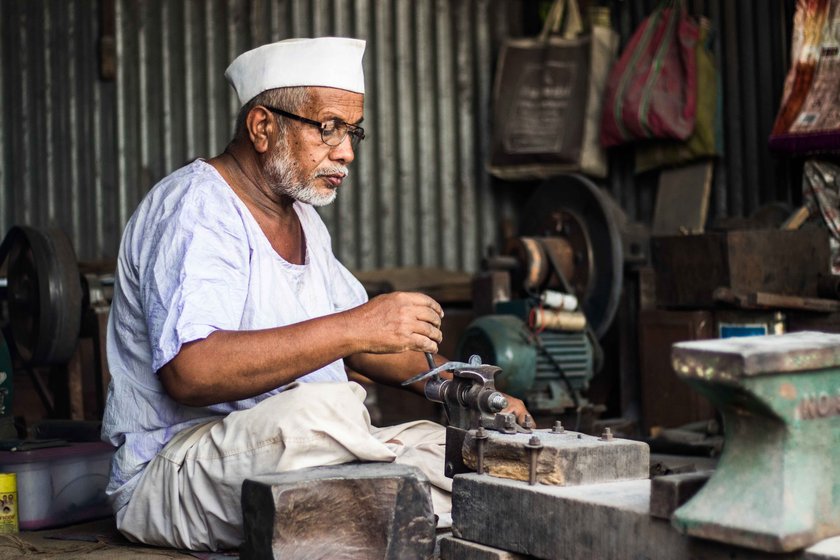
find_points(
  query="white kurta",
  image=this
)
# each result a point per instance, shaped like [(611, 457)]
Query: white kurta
[(193, 260)]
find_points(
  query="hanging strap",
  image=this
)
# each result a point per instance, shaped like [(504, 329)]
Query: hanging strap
[(560, 21)]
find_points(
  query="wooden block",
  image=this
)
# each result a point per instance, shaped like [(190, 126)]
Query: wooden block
[(669, 492), (604, 521), (458, 549), (765, 300), (360, 510), (566, 459), (777, 301)]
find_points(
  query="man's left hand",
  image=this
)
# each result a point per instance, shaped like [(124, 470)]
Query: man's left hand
[(517, 407)]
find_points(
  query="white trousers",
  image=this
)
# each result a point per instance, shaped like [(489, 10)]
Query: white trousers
[(189, 494)]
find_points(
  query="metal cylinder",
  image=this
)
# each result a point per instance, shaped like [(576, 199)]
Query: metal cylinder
[(436, 388), (559, 300), (559, 320)]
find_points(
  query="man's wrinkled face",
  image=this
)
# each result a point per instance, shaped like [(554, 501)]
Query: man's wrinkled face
[(302, 166)]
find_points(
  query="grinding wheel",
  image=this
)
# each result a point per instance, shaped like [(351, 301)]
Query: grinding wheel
[(575, 195), (45, 294)]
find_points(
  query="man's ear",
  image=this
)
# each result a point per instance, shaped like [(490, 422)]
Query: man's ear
[(258, 123)]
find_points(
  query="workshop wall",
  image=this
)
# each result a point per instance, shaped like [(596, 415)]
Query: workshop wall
[(100, 99), (80, 148)]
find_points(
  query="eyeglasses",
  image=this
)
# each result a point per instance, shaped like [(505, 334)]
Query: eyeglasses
[(333, 131)]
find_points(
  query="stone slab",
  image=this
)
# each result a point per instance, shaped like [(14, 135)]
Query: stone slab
[(669, 492), (452, 549), (566, 459), (604, 521), (360, 510)]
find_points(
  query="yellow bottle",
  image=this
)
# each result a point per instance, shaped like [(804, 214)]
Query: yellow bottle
[(8, 503)]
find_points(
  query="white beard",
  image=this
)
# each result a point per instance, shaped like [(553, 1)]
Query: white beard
[(284, 179)]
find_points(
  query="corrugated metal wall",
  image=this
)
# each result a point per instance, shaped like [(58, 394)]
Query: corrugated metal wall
[(79, 152)]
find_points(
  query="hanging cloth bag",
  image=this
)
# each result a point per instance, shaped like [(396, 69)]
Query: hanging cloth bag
[(652, 89), (809, 115), (705, 141), (547, 98)]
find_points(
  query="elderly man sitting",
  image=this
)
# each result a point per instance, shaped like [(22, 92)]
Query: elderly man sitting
[(232, 320)]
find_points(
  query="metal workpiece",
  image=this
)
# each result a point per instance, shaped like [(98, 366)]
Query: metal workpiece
[(472, 405), (464, 393), (470, 398), (776, 484)]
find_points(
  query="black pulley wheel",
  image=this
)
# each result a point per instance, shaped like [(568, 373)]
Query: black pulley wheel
[(543, 216), (45, 294)]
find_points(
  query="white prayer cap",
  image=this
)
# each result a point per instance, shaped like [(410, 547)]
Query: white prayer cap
[(327, 61)]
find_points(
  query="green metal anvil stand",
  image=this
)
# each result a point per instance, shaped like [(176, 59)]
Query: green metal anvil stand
[(777, 485)]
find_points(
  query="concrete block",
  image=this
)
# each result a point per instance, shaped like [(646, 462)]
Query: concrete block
[(458, 549), (605, 521), (360, 510), (566, 459), (669, 492)]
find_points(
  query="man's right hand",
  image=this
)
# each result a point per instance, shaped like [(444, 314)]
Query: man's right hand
[(233, 365), (398, 322)]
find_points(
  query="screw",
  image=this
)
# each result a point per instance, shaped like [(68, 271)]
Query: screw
[(528, 424), (534, 447), (480, 438), (558, 427), (607, 435)]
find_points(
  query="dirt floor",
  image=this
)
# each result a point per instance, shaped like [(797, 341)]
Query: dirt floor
[(95, 539)]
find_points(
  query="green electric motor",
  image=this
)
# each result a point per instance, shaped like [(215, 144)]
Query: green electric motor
[(548, 370)]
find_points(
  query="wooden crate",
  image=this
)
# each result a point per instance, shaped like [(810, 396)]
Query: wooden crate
[(690, 267)]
